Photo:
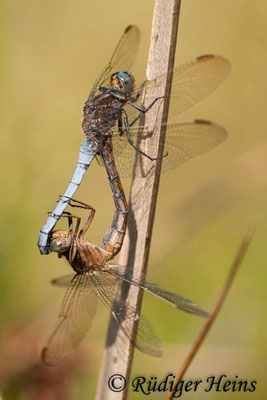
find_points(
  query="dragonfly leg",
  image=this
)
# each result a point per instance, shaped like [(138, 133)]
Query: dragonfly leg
[(130, 140), (80, 204), (134, 99), (141, 109), (115, 94), (70, 217), (121, 131), (87, 222)]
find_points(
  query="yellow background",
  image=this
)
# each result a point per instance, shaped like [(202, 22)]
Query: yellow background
[(51, 54)]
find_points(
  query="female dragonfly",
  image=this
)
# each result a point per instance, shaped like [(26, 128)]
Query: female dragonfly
[(113, 108), (94, 279)]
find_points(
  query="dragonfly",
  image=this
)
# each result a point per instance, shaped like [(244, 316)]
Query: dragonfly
[(94, 280), (113, 110)]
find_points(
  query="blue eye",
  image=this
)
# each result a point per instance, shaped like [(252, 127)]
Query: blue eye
[(123, 76), (126, 81)]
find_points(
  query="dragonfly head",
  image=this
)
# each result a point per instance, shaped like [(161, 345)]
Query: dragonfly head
[(123, 81), (60, 241)]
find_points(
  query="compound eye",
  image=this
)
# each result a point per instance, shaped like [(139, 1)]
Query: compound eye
[(117, 80)]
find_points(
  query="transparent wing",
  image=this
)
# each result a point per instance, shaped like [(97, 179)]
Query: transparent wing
[(74, 320), (191, 83), (121, 59), (64, 281), (176, 300), (68, 280), (194, 81), (184, 140), (125, 315)]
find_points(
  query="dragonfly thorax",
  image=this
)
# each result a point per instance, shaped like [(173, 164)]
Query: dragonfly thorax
[(88, 257), (100, 114), (123, 81)]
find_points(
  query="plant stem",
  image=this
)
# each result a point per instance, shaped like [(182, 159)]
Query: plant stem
[(143, 196), (225, 290)]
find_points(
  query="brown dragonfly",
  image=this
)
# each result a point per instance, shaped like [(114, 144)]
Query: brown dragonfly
[(113, 110), (94, 280)]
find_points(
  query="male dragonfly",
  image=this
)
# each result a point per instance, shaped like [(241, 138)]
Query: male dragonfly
[(113, 109)]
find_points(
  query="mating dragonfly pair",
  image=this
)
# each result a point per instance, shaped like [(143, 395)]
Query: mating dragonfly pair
[(111, 124)]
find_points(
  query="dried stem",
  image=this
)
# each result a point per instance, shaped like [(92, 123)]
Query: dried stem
[(143, 197), (204, 331)]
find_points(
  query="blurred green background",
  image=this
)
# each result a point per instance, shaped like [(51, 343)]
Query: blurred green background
[(51, 54)]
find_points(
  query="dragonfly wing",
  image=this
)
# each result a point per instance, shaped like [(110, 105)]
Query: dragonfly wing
[(176, 300), (184, 140), (68, 280), (64, 281), (74, 320), (191, 83), (121, 59), (194, 81), (125, 315)]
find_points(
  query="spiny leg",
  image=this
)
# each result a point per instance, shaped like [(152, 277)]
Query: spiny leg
[(141, 109), (70, 218), (87, 222), (134, 99), (121, 131), (130, 140), (68, 215), (80, 204)]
